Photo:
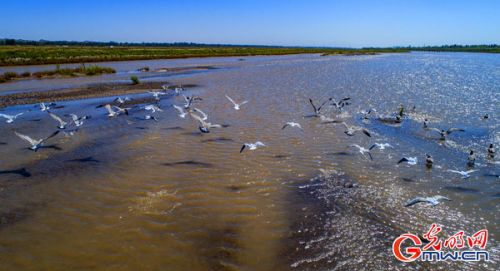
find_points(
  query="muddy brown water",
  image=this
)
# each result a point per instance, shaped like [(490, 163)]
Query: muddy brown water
[(126, 194)]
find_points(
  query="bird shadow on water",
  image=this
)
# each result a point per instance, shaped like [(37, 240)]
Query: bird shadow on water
[(21, 171), (88, 159), (188, 163), (217, 139)]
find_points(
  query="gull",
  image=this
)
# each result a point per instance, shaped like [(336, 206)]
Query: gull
[(341, 103), (44, 107), (317, 110), (236, 105), (156, 94), (10, 118), (428, 161), (465, 174), (121, 100), (325, 119), (431, 201), (292, 124), (78, 121), (35, 144), (182, 113), (491, 151), (189, 100), (205, 126), (204, 116), (252, 146), (426, 124), (62, 123), (444, 133), (471, 159), (381, 146), (149, 117), (410, 160), (366, 114), (153, 108), (112, 113), (350, 130), (362, 150)]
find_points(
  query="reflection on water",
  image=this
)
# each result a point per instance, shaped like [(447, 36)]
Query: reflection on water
[(127, 194)]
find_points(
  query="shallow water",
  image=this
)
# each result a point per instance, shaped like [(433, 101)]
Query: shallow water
[(162, 195)]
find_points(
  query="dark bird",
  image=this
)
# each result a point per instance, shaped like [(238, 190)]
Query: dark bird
[(491, 151), (317, 110), (444, 133), (429, 161)]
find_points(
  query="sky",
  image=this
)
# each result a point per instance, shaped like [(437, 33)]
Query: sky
[(354, 23)]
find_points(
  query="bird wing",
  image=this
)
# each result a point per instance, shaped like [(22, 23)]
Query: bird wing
[(50, 136), (414, 201), (27, 138), (435, 129), (5, 116), (205, 116), (366, 132), (259, 143), (471, 171), (284, 126), (57, 118), (369, 154), (198, 118), (244, 102), (451, 130), (74, 117), (373, 146), (454, 171), (319, 108), (178, 108), (404, 159), (314, 107), (229, 98), (243, 147), (110, 110)]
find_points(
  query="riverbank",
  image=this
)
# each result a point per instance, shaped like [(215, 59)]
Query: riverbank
[(82, 70), (35, 55)]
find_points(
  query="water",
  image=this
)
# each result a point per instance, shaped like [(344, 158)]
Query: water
[(162, 195)]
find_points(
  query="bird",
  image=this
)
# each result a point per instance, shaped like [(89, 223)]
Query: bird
[(491, 151), (153, 108), (471, 159), (341, 103), (409, 160), (121, 100), (325, 119), (10, 118), (119, 110), (465, 174), (149, 117), (44, 107), (292, 124), (381, 146), (317, 110), (362, 150), (486, 116), (78, 121), (431, 201), (350, 130), (428, 161), (444, 133), (62, 123), (35, 144), (203, 116), (156, 94), (252, 146), (189, 100), (426, 124), (182, 113), (205, 126), (236, 105), (366, 114)]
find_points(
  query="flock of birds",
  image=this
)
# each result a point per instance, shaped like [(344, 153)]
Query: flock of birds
[(71, 123)]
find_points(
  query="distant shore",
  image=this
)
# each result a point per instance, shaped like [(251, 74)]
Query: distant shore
[(18, 55)]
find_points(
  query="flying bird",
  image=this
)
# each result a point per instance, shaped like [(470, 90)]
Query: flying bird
[(465, 174), (317, 110), (292, 124), (252, 146), (182, 113), (431, 201), (153, 108), (119, 110), (410, 160), (203, 116), (62, 123), (149, 117), (189, 100), (204, 125), (35, 144), (78, 121), (44, 107), (10, 118), (444, 133), (362, 150), (236, 105), (350, 130), (156, 94), (381, 146)]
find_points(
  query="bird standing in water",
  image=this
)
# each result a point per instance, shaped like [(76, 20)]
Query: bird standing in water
[(471, 159)]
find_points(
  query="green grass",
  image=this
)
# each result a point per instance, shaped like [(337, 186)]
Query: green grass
[(134, 80), (29, 55), (82, 70)]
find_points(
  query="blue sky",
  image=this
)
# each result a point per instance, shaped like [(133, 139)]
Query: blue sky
[(279, 22)]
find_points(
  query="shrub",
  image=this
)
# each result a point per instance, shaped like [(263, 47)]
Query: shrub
[(134, 80)]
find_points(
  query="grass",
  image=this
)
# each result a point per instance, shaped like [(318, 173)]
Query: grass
[(82, 70), (134, 80), (30, 55)]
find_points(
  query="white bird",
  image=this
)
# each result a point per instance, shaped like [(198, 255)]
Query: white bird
[(236, 105), (189, 100), (35, 144), (350, 130), (465, 174), (381, 146), (78, 121), (203, 116), (182, 113), (325, 119), (410, 160), (44, 107), (252, 146), (156, 94), (431, 201), (153, 108), (10, 118), (121, 100), (112, 113), (205, 126), (62, 123), (149, 117), (292, 124), (362, 150)]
